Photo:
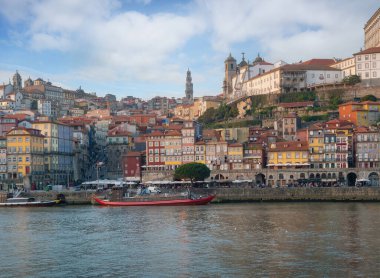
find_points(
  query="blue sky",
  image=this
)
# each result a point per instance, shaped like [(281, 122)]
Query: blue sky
[(144, 47)]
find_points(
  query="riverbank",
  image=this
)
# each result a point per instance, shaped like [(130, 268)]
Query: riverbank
[(229, 195)]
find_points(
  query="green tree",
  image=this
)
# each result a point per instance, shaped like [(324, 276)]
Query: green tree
[(351, 79), (369, 98), (208, 116), (193, 171)]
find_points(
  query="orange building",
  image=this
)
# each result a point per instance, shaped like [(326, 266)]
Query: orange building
[(360, 113)]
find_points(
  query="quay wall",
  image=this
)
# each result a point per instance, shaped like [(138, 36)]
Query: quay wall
[(224, 195), (247, 194)]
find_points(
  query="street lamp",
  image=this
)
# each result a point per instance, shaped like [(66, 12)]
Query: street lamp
[(98, 165)]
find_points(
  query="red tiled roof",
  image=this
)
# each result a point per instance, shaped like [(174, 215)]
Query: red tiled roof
[(307, 67), (134, 154), (18, 117), (173, 133), (155, 133), (319, 62), (371, 50), (235, 145)]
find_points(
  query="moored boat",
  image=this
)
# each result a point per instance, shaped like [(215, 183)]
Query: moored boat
[(157, 201), (26, 202)]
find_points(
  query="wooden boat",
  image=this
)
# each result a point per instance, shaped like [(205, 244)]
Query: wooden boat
[(27, 202), (157, 202)]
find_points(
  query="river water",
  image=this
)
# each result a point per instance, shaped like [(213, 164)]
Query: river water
[(224, 240)]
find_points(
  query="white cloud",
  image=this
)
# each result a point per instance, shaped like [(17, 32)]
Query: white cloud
[(105, 43), (288, 30), (110, 43)]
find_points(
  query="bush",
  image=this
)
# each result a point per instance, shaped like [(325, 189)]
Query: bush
[(298, 96)]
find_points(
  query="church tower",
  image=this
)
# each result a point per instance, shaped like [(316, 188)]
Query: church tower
[(189, 87), (230, 72), (17, 81)]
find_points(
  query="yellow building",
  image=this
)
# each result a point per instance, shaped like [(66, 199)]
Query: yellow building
[(316, 145), (173, 149), (288, 155), (25, 149), (235, 156)]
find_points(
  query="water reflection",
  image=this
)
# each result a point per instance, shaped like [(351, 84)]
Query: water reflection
[(283, 239)]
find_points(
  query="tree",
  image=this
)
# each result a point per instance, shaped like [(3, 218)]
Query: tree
[(351, 79), (369, 98), (193, 171), (208, 116)]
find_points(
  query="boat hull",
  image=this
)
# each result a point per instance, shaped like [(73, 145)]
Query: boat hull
[(178, 202), (29, 204)]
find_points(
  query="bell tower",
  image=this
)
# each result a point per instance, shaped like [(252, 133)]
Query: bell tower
[(230, 68), (17, 81), (189, 87)]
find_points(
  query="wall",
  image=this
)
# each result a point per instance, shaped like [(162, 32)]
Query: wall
[(297, 194), (253, 194)]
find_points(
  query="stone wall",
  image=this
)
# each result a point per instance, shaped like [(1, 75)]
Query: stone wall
[(72, 197), (224, 195), (295, 194)]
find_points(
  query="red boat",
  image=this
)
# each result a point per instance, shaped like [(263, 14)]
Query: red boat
[(147, 202)]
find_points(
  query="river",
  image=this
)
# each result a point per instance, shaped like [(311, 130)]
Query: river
[(218, 240)]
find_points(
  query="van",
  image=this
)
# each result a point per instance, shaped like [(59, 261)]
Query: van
[(153, 189)]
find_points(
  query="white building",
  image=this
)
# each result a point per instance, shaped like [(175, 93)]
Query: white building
[(347, 66), (44, 107), (368, 66), (5, 90)]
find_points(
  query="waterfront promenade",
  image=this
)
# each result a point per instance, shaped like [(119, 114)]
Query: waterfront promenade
[(248, 194)]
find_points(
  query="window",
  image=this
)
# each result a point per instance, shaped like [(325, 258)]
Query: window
[(359, 58), (336, 75), (374, 64), (366, 57), (374, 74), (367, 74), (366, 65), (373, 56), (328, 75), (359, 66)]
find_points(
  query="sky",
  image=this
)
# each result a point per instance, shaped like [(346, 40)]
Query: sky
[(143, 48)]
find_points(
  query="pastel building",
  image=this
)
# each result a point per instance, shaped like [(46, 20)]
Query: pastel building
[(25, 155), (360, 113)]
